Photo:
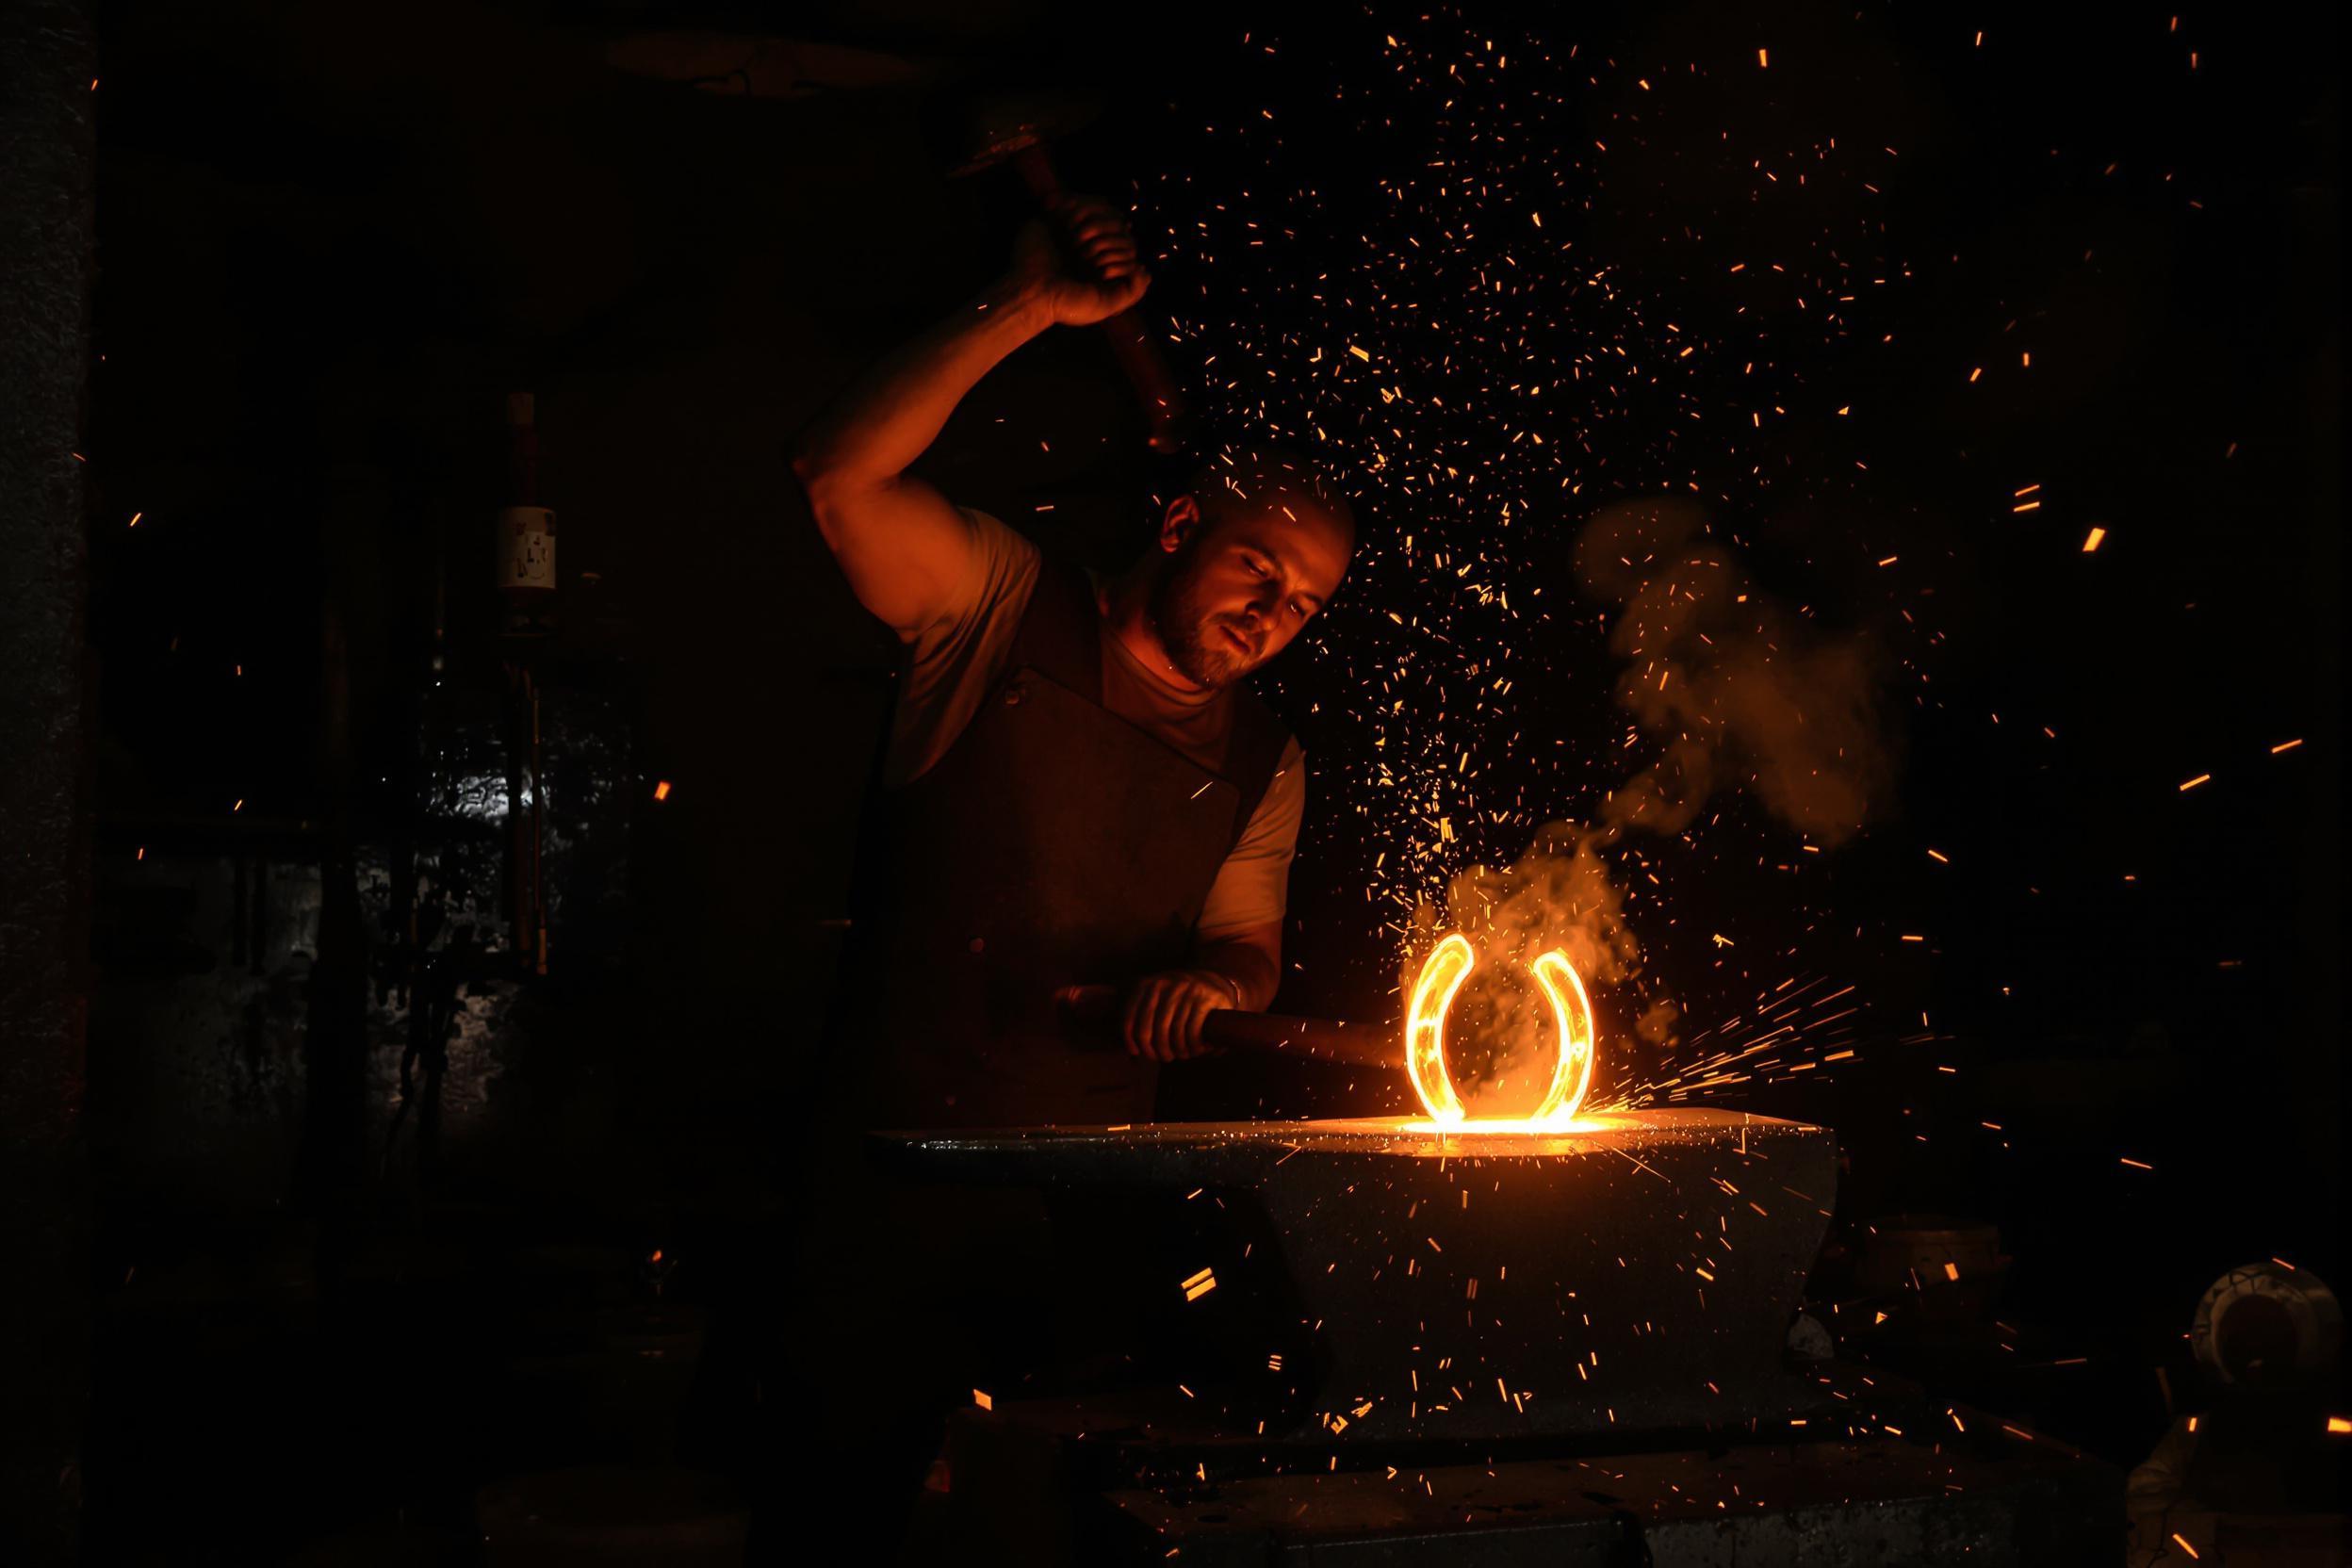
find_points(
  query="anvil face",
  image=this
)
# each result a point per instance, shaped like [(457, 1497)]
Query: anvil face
[(1634, 1270)]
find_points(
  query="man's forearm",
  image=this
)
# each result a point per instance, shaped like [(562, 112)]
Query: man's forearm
[(896, 410), (1248, 968)]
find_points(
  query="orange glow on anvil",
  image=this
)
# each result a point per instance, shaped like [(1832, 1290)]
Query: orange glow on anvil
[(1442, 975)]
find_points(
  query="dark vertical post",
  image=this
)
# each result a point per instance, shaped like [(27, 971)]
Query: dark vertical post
[(2311, 268), (330, 1167), (48, 58)]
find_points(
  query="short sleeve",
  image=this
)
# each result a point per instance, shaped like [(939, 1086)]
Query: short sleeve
[(1252, 888), (952, 662)]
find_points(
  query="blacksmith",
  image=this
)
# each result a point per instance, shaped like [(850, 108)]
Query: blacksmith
[(1079, 788)]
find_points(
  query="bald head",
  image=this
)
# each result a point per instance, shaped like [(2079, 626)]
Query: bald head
[(1246, 557), (1277, 486)]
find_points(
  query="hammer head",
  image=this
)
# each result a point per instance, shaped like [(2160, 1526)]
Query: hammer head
[(983, 130), (742, 65)]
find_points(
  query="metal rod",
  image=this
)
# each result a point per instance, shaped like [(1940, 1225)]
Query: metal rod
[(1094, 1009)]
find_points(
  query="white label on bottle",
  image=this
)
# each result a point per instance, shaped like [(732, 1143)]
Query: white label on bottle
[(526, 548)]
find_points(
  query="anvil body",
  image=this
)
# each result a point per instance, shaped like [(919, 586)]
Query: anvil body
[(1382, 1280)]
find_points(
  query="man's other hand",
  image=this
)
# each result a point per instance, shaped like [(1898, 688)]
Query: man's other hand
[(1161, 1020), (1095, 275)]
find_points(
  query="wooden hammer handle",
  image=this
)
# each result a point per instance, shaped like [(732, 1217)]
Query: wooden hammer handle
[(1094, 1009)]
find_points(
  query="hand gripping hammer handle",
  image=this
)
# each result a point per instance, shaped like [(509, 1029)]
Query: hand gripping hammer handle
[(1138, 358)]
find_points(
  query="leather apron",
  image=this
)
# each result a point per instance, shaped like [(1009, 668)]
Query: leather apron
[(1054, 843)]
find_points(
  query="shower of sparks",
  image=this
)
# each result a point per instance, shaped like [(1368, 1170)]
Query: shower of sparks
[(1430, 319), (1445, 259)]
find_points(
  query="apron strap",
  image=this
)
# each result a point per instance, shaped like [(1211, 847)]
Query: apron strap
[(1252, 755), (1060, 634)]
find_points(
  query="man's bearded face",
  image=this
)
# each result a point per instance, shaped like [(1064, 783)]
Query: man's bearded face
[(1198, 632), (1239, 586)]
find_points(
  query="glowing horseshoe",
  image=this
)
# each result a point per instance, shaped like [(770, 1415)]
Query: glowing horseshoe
[(1442, 975)]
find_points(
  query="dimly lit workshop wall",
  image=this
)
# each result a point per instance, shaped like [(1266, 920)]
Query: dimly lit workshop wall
[(47, 53), (335, 238)]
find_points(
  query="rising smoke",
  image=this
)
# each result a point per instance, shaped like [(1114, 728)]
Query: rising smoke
[(1742, 693), (1733, 693)]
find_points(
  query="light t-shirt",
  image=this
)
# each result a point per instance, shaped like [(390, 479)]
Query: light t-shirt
[(953, 663)]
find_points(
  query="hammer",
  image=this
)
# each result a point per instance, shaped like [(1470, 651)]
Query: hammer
[(1015, 131), (1094, 1010)]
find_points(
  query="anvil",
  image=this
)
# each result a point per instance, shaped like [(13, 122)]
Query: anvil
[(1629, 1271)]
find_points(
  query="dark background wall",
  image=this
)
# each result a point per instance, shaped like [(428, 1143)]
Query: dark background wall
[(333, 239), (46, 58)]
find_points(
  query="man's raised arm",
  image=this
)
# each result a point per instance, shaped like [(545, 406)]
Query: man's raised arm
[(902, 545)]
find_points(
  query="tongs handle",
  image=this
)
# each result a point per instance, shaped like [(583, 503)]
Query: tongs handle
[(1094, 1010)]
